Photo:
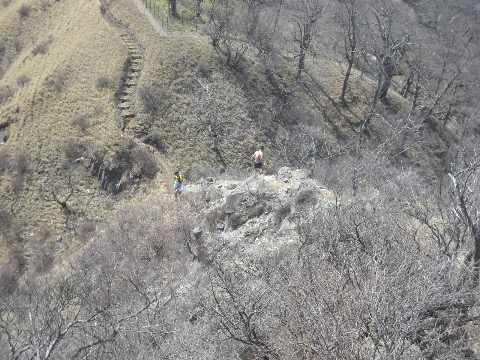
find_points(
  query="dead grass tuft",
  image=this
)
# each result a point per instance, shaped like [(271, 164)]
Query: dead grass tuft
[(23, 80), (73, 150), (57, 83), (104, 82), (86, 230), (154, 98), (41, 47), (20, 162), (6, 92), (24, 11), (81, 121)]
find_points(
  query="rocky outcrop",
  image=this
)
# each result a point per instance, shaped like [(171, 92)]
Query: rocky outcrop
[(250, 217)]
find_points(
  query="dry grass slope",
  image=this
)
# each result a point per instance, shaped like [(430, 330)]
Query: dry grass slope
[(82, 49), (208, 114)]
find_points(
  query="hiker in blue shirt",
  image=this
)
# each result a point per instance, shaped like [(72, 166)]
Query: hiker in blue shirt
[(177, 184)]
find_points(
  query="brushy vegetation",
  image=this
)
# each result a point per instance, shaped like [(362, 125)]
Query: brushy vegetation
[(154, 99), (24, 11), (41, 47), (6, 92), (23, 80), (104, 82), (81, 121)]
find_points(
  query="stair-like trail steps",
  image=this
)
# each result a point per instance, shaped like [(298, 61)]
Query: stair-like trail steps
[(127, 99)]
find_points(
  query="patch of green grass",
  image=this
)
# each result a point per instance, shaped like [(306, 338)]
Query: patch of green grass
[(187, 19)]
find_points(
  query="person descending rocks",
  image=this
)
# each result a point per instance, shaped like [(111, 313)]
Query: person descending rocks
[(257, 158), (177, 184)]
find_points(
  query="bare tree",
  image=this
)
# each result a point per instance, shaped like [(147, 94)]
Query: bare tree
[(350, 40), (465, 182), (261, 19), (55, 193), (305, 15), (227, 31), (45, 314), (387, 56), (172, 4)]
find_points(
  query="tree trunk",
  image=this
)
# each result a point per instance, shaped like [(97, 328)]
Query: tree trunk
[(198, 10), (373, 105), (387, 71), (304, 45), (476, 255), (385, 85), (345, 80), (173, 8), (301, 62)]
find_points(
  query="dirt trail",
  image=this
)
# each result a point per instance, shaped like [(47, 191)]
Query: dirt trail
[(127, 105), (154, 21)]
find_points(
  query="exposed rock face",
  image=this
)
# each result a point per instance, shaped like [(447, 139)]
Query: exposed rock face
[(256, 215)]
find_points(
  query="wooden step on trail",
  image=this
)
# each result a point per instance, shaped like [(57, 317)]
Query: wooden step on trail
[(127, 114), (136, 56), (124, 105)]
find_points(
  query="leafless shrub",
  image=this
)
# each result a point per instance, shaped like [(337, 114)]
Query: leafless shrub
[(109, 204), (155, 138), (123, 156), (43, 257), (57, 83), (24, 11), (18, 46), (7, 2), (202, 69), (6, 220), (13, 263), (20, 161), (2, 72), (3, 49), (81, 121), (104, 82), (136, 159), (73, 150), (42, 47), (44, 233), (9, 274), (86, 230), (6, 92), (97, 109), (304, 195), (45, 5), (16, 183), (145, 161), (23, 80), (4, 160), (281, 213), (154, 99)]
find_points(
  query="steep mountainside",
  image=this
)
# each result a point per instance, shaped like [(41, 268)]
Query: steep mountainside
[(359, 240)]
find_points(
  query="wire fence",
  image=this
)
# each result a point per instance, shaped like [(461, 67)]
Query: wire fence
[(168, 22)]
